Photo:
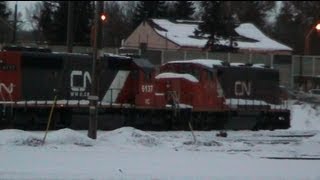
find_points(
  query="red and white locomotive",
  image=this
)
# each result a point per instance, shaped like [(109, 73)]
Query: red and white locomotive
[(207, 94)]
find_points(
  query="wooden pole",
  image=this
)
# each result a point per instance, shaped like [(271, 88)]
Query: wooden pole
[(92, 131), (49, 119), (70, 27)]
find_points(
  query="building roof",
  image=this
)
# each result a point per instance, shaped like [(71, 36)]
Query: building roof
[(182, 34)]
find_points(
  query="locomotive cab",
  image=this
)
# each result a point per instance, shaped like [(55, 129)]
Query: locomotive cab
[(193, 83)]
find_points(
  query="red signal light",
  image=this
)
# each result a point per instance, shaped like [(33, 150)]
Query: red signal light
[(318, 27), (104, 17)]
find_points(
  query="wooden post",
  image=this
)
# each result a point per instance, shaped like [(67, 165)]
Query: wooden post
[(70, 27), (93, 98)]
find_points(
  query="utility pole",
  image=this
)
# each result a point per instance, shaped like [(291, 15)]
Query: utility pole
[(15, 23), (70, 26), (93, 98)]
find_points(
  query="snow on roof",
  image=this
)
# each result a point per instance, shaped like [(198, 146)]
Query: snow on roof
[(183, 35), (250, 31), (179, 33), (116, 55), (204, 62), (260, 65), (188, 77), (237, 64), (253, 65)]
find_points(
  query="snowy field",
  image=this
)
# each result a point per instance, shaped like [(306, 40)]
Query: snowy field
[(129, 153)]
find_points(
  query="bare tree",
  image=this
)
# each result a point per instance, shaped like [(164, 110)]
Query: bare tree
[(119, 25), (33, 15)]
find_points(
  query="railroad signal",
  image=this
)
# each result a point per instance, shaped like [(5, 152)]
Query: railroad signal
[(104, 17)]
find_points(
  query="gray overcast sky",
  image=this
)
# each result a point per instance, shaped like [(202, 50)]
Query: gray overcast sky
[(22, 5)]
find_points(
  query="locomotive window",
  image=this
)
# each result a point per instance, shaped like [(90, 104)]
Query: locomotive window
[(147, 77), (195, 73), (219, 73), (135, 74), (54, 74), (210, 75)]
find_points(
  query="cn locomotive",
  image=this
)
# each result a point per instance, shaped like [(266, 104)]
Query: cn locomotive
[(202, 94)]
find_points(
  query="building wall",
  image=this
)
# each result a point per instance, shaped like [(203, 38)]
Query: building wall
[(145, 34)]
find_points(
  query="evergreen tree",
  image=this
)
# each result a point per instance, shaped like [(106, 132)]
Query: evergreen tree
[(295, 21), (287, 28), (54, 21), (83, 21), (254, 12), (5, 29), (60, 23), (117, 27), (46, 20), (4, 11), (183, 10), (149, 9), (218, 22)]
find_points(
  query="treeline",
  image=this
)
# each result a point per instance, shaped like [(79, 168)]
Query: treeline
[(292, 19)]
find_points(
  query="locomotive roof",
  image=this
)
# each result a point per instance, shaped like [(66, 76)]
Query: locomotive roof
[(143, 64), (210, 63), (125, 61), (166, 75), (250, 65), (26, 49), (204, 62)]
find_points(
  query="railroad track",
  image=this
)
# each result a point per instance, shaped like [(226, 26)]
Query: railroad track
[(293, 158)]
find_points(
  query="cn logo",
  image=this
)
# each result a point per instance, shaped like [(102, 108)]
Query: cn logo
[(242, 88), (83, 76), (7, 89)]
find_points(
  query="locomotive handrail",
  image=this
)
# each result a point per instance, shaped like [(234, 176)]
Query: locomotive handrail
[(248, 104)]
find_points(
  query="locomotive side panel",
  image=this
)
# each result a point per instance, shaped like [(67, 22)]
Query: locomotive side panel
[(41, 74), (10, 76), (145, 89), (249, 83), (77, 77), (116, 80), (203, 95)]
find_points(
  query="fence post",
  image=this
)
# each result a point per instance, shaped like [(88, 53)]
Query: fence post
[(139, 51), (271, 60), (207, 55), (184, 55), (162, 57), (292, 71), (313, 66), (228, 57)]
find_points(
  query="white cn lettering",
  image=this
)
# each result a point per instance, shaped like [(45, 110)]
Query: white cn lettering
[(85, 77), (147, 88), (241, 88), (147, 101), (8, 89)]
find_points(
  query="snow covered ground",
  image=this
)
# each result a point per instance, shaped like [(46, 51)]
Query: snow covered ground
[(129, 153)]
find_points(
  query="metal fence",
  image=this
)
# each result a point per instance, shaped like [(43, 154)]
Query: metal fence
[(288, 65)]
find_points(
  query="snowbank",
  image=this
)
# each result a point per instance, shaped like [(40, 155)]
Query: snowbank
[(305, 116), (130, 136)]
